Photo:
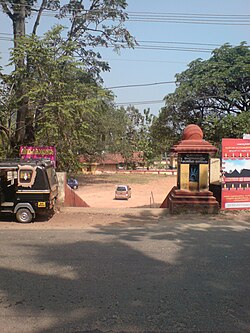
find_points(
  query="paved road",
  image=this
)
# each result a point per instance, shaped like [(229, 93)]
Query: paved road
[(137, 275)]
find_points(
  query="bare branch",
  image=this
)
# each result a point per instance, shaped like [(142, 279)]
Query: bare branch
[(75, 17), (4, 129), (37, 22), (7, 10)]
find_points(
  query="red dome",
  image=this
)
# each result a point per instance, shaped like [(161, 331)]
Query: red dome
[(192, 132)]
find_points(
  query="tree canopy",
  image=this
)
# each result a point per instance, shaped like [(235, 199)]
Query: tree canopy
[(54, 94), (213, 94)]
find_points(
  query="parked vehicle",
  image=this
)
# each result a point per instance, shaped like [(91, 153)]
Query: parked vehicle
[(27, 188), (123, 192), (73, 183)]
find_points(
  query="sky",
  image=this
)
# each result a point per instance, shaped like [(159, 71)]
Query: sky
[(191, 34), (231, 165)]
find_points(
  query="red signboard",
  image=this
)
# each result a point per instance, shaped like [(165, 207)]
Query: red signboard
[(29, 152), (235, 192)]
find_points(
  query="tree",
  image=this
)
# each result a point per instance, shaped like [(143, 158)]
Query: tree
[(6, 114), (63, 99), (123, 131), (106, 127), (133, 133), (145, 143), (208, 92), (101, 23), (164, 132), (232, 126)]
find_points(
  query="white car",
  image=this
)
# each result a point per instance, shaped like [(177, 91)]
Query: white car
[(123, 192)]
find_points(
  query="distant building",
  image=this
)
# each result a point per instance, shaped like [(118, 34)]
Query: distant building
[(109, 162)]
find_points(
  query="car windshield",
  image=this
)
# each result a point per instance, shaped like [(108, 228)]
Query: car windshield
[(121, 188)]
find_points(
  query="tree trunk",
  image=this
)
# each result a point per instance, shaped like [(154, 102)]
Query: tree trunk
[(19, 31)]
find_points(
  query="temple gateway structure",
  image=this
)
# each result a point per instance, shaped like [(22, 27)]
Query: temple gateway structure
[(192, 190)]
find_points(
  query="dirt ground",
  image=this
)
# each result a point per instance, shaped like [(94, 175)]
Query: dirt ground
[(142, 209), (99, 192)]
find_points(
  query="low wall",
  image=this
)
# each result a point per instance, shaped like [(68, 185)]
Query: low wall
[(66, 196), (168, 172), (72, 199)]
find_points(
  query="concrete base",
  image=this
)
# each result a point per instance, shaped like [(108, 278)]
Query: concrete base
[(180, 201)]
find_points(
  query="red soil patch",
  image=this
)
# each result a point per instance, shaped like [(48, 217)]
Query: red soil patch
[(99, 193)]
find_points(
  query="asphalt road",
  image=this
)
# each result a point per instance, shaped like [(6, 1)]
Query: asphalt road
[(163, 274)]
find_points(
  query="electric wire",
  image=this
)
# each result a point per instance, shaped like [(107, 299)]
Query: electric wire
[(140, 102), (141, 85), (145, 13), (149, 17), (215, 19), (159, 47), (163, 101)]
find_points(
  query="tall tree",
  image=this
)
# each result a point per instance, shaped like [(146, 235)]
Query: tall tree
[(65, 100), (90, 24), (208, 91), (132, 133), (129, 138), (145, 143)]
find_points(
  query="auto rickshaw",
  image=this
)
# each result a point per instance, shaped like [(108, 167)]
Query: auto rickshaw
[(27, 187)]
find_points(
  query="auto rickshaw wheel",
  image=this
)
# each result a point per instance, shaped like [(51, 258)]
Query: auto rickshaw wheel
[(23, 215)]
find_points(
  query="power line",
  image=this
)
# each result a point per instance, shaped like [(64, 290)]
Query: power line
[(173, 42), (169, 48), (96, 11), (141, 85), (181, 21), (163, 101), (191, 14), (154, 41), (154, 45), (160, 47), (140, 103), (215, 19), (190, 18), (144, 60)]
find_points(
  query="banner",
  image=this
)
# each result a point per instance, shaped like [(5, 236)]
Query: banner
[(235, 192), (29, 152)]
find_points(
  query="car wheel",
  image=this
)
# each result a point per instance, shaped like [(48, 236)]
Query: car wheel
[(23, 215), (74, 187)]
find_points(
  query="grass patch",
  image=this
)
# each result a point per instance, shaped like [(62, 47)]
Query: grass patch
[(120, 178)]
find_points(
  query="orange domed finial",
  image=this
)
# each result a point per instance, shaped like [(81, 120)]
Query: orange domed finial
[(192, 132)]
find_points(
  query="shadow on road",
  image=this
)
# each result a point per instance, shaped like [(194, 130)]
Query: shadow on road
[(131, 277)]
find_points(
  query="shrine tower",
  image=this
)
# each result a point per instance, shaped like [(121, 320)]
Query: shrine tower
[(192, 190)]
